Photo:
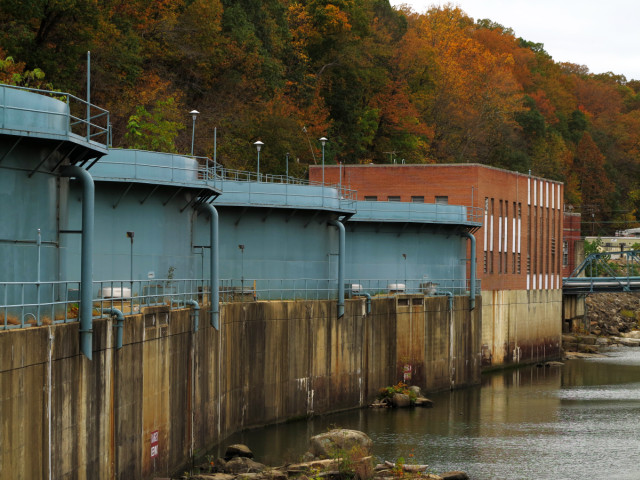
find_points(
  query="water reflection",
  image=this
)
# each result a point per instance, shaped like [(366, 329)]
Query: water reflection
[(569, 422)]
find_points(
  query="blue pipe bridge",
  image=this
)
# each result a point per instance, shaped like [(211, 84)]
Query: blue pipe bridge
[(605, 272)]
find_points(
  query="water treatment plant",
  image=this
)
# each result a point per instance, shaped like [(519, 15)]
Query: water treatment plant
[(146, 295)]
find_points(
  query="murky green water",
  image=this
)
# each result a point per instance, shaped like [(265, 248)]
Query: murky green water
[(578, 421)]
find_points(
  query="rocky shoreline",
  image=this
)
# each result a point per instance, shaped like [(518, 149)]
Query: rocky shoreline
[(613, 320), (339, 454)]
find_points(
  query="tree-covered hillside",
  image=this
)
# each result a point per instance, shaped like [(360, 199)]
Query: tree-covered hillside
[(382, 84)]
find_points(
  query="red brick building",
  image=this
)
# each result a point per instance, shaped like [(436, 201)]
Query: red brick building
[(520, 244)]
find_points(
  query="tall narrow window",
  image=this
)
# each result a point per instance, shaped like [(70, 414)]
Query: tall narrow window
[(519, 237), (513, 239)]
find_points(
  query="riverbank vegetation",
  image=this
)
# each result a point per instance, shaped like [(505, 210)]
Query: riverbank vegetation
[(383, 84)]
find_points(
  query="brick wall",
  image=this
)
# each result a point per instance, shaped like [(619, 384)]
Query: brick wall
[(520, 243)]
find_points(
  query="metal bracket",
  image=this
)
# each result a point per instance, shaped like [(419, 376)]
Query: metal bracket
[(45, 159), (126, 190), (11, 149)]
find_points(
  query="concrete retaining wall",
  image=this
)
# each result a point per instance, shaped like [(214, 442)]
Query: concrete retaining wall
[(520, 326), (66, 417)]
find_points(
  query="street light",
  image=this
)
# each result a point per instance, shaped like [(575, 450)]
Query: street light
[(323, 140), (194, 115), (258, 145)]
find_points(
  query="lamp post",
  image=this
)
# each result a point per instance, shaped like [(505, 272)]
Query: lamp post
[(194, 115), (287, 174), (323, 140), (258, 145)]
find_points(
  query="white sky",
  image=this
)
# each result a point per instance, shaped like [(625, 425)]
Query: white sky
[(603, 35)]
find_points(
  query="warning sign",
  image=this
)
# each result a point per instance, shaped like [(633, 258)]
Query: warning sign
[(406, 377), (154, 444)]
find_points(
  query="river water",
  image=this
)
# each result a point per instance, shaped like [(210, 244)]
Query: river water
[(578, 421)]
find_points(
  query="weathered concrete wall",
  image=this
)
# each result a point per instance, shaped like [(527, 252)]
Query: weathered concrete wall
[(573, 313), (520, 326), (66, 417)]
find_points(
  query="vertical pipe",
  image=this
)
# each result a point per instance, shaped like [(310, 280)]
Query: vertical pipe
[(88, 96), (86, 261), (119, 324), (472, 270), (258, 169), (215, 273), (196, 313), (451, 338), (341, 263), (215, 146), (39, 244)]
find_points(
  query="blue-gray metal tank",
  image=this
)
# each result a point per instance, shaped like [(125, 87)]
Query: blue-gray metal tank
[(149, 194), (36, 138)]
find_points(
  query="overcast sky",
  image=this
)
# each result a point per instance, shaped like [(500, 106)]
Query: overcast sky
[(603, 35)]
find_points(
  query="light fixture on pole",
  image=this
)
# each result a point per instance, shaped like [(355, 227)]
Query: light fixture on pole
[(194, 115), (323, 140), (258, 145)]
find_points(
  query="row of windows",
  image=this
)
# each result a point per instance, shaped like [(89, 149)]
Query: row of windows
[(441, 200)]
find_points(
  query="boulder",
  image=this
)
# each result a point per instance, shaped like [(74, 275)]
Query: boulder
[(331, 443), (415, 390), (401, 400), (243, 465), (237, 450), (554, 364), (632, 334), (424, 402), (628, 342), (455, 475)]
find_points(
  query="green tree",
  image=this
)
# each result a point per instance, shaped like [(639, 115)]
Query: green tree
[(154, 130)]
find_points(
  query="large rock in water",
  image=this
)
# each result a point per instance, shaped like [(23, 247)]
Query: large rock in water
[(339, 440), (401, 400), (243, 465), (237, 450)]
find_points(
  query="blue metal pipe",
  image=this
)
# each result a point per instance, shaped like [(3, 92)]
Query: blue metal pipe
[(196, 313), (215, 265), (368, 297), (341, 264), (472, 268), (86, 260), (450, 295), (119, 325)]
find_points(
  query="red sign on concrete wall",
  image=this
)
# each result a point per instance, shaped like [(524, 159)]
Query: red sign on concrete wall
[(406, 373), (154, 444)]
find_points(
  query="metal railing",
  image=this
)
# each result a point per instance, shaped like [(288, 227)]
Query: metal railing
[(419, 212), (83, 119), (27, 304), (218, 175)]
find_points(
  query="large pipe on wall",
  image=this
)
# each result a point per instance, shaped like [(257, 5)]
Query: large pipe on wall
[(341, 263), (214, 265), (86, 259), (119, 324), (196, 313), (472, 268)]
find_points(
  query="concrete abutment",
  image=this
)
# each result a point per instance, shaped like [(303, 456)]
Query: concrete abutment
[(184, 391)]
